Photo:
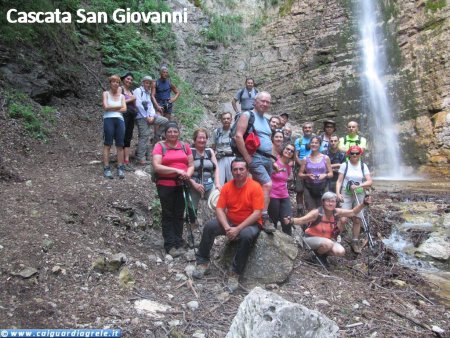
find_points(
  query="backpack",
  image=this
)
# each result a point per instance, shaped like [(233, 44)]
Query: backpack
[(208, 153), (218, 133), (242, 93), (154, 174), (346, 169), (357, 141), (336, 230), (250, 128)]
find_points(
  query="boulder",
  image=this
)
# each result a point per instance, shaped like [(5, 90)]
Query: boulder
[(270, 261), (264, 314), (437, 246)]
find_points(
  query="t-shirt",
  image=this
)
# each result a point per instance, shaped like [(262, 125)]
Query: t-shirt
[(279, 181), (221, 140), (352, 141), (262, 129), (241, 202), (246, 98), (174, 158), (354, 174), (300, 146)]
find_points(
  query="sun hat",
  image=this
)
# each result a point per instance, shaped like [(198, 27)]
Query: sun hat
[(213, 199), (354, 149), (146, 78)]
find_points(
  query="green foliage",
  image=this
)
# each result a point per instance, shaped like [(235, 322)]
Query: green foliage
[(257, 23), (34, 119), (286, 8), (13, 33), (140, 47), (224, 29), (155, 207), (188, 108), (434, 5)]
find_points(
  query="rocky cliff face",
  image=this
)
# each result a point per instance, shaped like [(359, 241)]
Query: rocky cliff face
[(308, 59)]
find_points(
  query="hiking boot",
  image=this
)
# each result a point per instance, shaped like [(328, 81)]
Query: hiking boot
[(128, 167), (121, 172), (107, 172), (200, 271), (233, 281), (355, 246), (268, 226)]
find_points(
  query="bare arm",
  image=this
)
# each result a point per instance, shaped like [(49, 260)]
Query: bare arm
[(216, 171), (339, 186), (309, 217), (176, 91), (233, 103), (153, 97), (109, 108), (356, 210), (329, 173), (241, 128)]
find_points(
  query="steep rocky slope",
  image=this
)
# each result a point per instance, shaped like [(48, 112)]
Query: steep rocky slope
[(309, 60)]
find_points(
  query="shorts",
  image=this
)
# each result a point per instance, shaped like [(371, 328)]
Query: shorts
[(166, 106), (350, 202), (315, 242), (261, 169), (113, 131)]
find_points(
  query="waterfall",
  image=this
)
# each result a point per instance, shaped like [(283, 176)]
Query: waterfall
[(384, 141)]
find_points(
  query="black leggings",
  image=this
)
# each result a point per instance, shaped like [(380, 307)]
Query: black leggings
[(278, 209), (129, 127)]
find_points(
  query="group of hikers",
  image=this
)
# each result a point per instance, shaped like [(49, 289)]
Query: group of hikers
[(248, 168)]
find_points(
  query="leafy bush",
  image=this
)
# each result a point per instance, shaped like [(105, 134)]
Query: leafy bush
[(224, 29), (434, 5)]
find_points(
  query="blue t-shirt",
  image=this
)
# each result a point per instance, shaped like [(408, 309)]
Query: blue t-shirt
[(262, 129)]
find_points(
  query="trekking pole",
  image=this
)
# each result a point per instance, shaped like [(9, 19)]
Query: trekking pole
[(188, 202), (365, 225)]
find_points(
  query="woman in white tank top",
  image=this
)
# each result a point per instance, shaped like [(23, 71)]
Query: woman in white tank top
[(113, 126)]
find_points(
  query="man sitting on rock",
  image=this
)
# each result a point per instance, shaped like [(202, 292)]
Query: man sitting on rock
[(238, 216)]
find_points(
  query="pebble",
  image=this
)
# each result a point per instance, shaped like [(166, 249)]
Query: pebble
[(193, 305), (190, 255), (322, 302), (170, 296), (437, 329), (29, 183), (366, 303), (223, 296), (174, 322), (141, 265), (180, 277), (135, 321), (1, 247), (356, 306), (168, 258), (189, 269), (199, 334)]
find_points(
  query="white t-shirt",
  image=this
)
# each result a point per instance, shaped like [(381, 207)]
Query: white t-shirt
[(354, 174)]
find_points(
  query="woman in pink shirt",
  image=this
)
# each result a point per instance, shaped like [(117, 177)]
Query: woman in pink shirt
[(174, 165), (280, 204)]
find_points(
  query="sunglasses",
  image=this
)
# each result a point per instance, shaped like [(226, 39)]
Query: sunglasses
[(354, 154), (290, 150)]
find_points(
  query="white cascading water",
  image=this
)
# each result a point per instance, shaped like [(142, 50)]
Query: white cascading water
[(384, 141)]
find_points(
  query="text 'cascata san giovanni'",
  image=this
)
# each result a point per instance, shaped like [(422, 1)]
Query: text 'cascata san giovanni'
[(120, 15)]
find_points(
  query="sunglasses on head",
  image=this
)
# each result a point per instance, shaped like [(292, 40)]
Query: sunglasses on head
[(354, 154)]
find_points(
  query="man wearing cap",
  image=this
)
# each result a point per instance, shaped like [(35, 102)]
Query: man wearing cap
[(161, 90), (146, 116), (245, 96), (238, 216), (352, 138), (329, 127), (284, 118), (260, 163)]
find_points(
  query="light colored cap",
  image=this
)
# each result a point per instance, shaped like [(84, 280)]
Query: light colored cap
[(146, 78)]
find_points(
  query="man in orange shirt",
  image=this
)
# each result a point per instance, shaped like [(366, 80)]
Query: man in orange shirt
[(238, 216)]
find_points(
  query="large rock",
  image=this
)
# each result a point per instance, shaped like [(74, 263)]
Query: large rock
[(264, 314), (437, 246), (270, 261)]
